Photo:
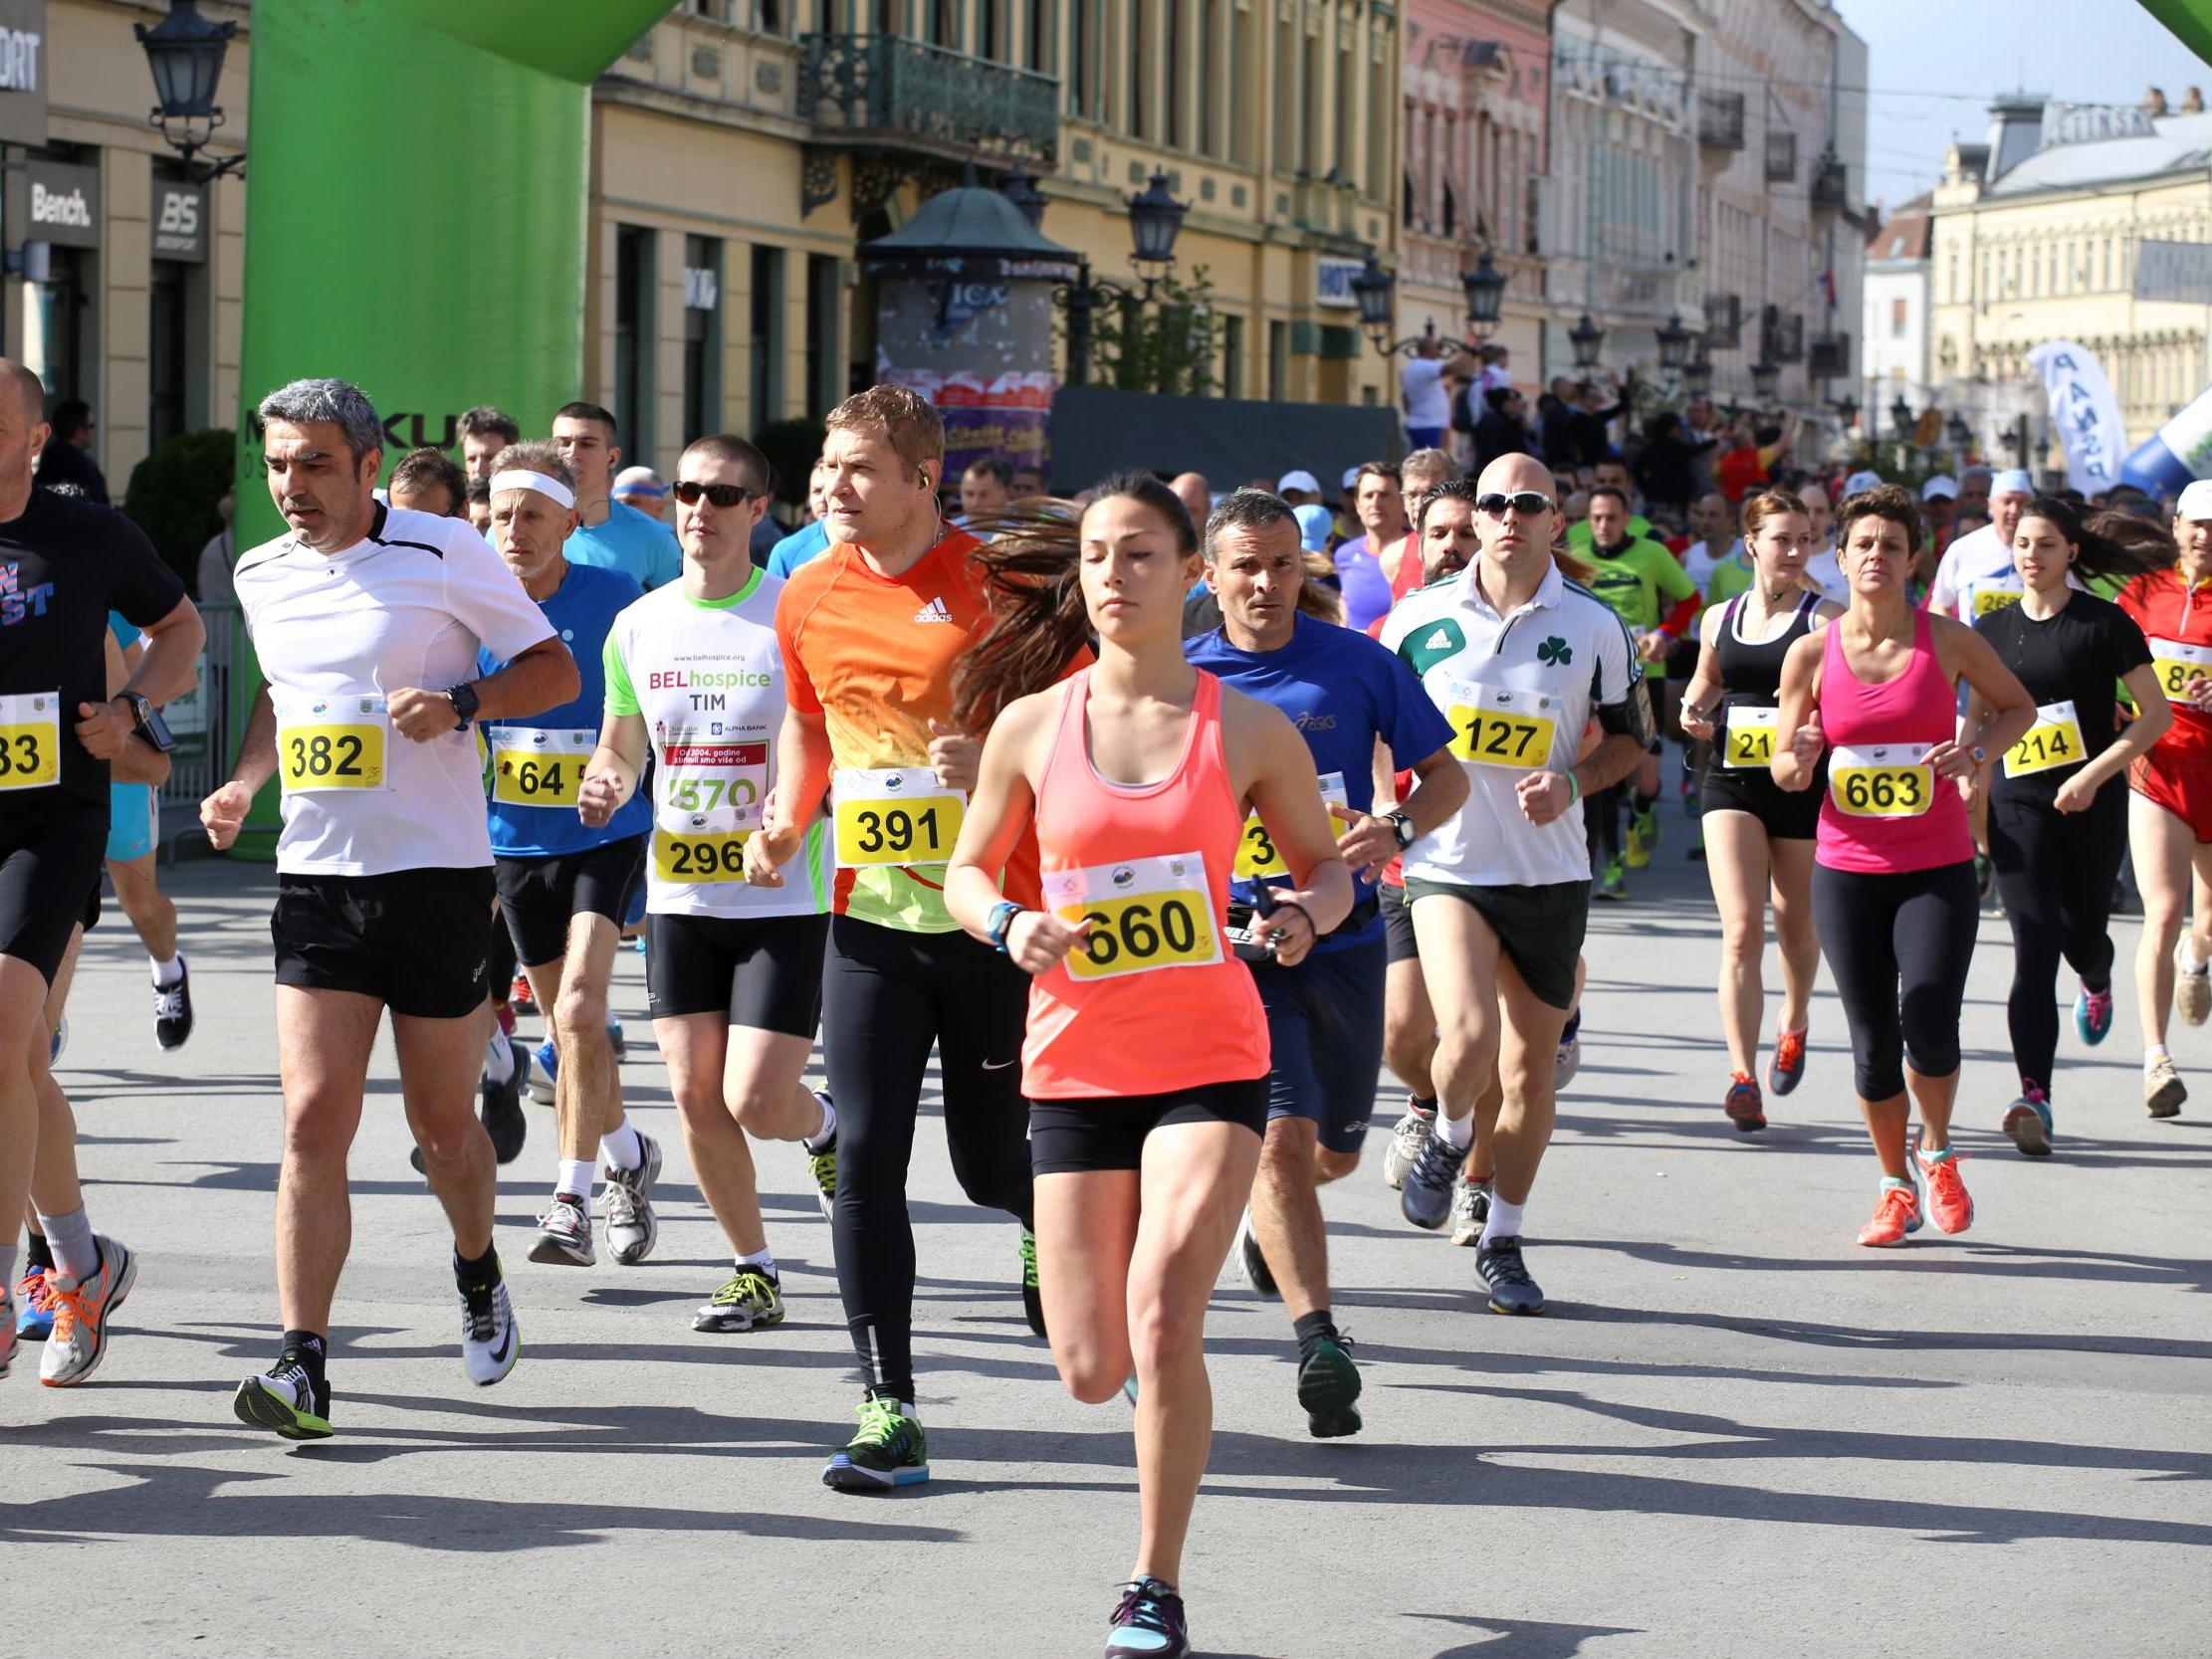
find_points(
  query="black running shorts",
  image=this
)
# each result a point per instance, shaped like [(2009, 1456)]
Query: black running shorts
[(764, 971), (49, 882), (413, 939), (1072, 1137), (1398, 924), (1539, 927), (541, 896)]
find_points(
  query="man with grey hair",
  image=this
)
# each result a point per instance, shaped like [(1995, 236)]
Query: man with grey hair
[(368, 620)]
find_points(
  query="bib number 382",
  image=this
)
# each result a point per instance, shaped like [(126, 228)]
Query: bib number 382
[(331, 743), (1881, 780), (896, 815), (30, 740), (1145, 914)]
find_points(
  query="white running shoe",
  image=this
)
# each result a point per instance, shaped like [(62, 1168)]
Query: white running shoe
[(2192, 992), (1406, 1142), (81, 1309), (491, 1341), (632, 1228), (564, 1234), (1566, 1062), (1470, 1207)]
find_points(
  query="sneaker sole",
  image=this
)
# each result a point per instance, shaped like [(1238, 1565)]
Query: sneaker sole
[(125, 1281), (1496, 1307), (724, 1324), (514, 1357), (257, 1407), (1749, 1119), (555, 1251), (843, 1475), (2024, 1124), (2166, 1101), (1327, 1390)]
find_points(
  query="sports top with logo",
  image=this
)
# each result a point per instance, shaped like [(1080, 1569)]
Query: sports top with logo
[(64, 564), (1643, 582), (2176, 619), (707, 676), (1148, 865), (1518, 691), (537, 761), (409, 605)]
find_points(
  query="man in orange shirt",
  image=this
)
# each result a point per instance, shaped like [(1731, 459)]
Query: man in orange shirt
[(871, 634)]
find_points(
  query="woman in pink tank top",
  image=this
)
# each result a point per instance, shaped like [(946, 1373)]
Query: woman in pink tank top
[(1894, 890), (1147, 1056)]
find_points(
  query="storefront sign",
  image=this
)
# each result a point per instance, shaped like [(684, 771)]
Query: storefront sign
[(1332, 282), (180, 221), (61, 204), (22, 72)]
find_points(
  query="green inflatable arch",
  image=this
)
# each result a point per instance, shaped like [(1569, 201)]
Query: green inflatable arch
[(2190, 21)]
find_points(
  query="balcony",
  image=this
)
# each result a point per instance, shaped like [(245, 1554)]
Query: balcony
[(1720, 120), (1831, 358), (885, 92), (1829, 183), (1781, 158), (1723, 322)]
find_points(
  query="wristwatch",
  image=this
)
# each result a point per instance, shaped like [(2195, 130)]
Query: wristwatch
[(146, 721), (1402, 825), (463, 699), (1981, 756), (1002, 921)]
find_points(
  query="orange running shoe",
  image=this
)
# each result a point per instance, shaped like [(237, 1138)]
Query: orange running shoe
[(1896, 1214), (520, 998), (82, 1312), (1742, 1104), (1950, 1205)]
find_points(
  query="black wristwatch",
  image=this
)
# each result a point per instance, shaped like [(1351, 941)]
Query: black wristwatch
[(463, 699), (146, 721), (1402, 825)]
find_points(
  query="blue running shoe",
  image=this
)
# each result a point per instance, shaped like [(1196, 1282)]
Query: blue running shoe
[(34, 1309), (1149, 1623), (2092, 1013), (541, 1077)]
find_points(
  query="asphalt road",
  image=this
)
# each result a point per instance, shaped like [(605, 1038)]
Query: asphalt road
[(1734, 1433)]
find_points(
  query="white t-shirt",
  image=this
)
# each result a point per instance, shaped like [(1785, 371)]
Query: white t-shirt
[(1825, 572), (1518, 691), (1978, 555), (1700, 561), (407, 606), (1426, 402), (707, 676)]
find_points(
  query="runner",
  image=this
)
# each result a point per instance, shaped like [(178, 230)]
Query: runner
[(870, 634), (1758, 840), (1379, 498), (733, 971), (134, 837), (1976, 575), (1138, 775), (1519, 659), (1419, 473), (609, 532), (63, 565), (2170, 814), (366, 620), (564, 882), (1345, 695), (2058, 799), (1894, 892)]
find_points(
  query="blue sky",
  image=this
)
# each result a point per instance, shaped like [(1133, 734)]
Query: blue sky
[(1934, 66)]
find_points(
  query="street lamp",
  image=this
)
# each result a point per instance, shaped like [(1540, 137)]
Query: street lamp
[(1154, 219), (1697, 373), (1847, 411), (1020, 189), (1673, 346), (185, 53), (1588, 340), (1485, 290), (1376, 290), (1960, 434), (1902, 418), (1766, 380)]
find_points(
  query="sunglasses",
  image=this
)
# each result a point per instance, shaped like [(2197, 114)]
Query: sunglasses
[(1527, 503), (688, 490)]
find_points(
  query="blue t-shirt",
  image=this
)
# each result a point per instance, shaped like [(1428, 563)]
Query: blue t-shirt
[(802, 547), (643, 548), (1342, 691), (581, 610)]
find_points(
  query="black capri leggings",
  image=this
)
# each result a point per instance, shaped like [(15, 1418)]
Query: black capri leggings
[(1898, 947), (2055, 872)]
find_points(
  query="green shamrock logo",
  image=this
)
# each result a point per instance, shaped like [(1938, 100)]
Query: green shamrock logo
[(1556, 652)]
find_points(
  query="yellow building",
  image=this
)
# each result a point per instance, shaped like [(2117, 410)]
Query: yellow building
[(2065, 225)]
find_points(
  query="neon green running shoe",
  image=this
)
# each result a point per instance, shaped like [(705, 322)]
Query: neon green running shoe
[(1033, 1299), (751, 1301), (889, 1451)]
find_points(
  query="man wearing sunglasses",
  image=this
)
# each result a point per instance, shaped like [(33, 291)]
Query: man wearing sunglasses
[(1520, 660), (734, 972)]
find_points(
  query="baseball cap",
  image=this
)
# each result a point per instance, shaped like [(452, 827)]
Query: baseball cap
[(1861, 481), (1298, 479), (2196, 500), (1351, 478), (638, 481), (1941, 485), (1314, 527), (2013, 481)]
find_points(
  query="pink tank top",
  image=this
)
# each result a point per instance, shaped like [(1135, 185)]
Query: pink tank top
[(1153, 999), (1884, 813)]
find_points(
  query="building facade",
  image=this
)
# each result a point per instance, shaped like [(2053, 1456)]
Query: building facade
[(1894, 323)]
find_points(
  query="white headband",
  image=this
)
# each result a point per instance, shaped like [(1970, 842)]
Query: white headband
[(520, 479)]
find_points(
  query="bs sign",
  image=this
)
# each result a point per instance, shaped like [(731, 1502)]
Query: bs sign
[(179, 222)]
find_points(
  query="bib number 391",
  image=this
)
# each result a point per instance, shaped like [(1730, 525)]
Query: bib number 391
[(1148, 914), (899, 815), (30, 740)]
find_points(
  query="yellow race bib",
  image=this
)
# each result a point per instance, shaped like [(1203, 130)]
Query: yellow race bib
[(1880, 780), (330, 742), (30, 740), (1493, 726), (2177, 664), (1145, 914), (896, 815), (2054, 740), (699, 857), (1990, 599), (1749, 739), (1256, 853), (537, 766)]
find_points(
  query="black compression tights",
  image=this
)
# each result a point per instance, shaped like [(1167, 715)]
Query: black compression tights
[(2054, 870), (1898, 947)]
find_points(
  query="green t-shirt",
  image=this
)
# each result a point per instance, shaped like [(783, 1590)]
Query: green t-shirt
[(1731, 576), (1641, 582), (1578, 533)]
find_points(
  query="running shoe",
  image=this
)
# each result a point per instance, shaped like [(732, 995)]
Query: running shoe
[(1644, 836), (563, 1233), (1425, 1198), (33, 1315), (82, 1311), (520, 998), (1033, 1299), (2092, 1013), (1252, 1259), (491, 1341), (1147, 1624), (1896, 1214), (1788, 1064), (632, 1228), (1405, 1142), (1512, 1291), (890, 1450), (1566, 1060), (2162, 1090), (173, 1008), (1745, 1106), (2193, 989), (58, 1042), (1950, 1205), (615, 1039), (822, 1165), (1328, 1386), (7, 1341), (503, 1108), (751, 1301), (1612, 883), (1470, 1207), (543, 1073), (2028, 1121), (284, 1398)]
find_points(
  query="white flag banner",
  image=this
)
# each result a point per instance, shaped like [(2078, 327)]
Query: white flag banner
[(2083, 411)]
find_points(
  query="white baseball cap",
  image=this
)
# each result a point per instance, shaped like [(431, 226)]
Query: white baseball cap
[(2196, 500), (1298, 479), (1351, 478), (2013, 481), (1943, 485), (1860, 481)]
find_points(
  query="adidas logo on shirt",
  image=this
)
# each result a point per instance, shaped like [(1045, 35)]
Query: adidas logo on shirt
[(934, 611), (1438, 640)]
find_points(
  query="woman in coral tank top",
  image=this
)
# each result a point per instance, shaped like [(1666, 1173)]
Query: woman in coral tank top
[(1147, 1056)]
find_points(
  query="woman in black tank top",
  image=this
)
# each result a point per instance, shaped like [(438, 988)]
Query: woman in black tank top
[(1758, 840)]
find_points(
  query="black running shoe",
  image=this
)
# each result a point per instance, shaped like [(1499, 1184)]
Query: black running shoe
[(1328, 1383), (173, 1008), (1425, 1198), (1147, 1624), (1512, 1291), (503, 1109)]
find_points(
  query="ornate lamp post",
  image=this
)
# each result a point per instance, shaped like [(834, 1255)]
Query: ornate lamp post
[(185, 53)]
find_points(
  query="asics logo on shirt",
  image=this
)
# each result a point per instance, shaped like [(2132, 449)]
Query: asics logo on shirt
[(1311, 722), (934, 611)]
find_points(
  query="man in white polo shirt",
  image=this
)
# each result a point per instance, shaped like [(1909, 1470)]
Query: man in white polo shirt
[(1975, 575), (1520, 660), (367, 621)]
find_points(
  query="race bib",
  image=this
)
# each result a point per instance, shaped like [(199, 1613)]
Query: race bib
[(30, 740), (711, 787), (537, 765), (1147, 914), (2054, 740), (709, 857), (1880, 780), (330, 742), (1749, 739), (1256, 853), (2177, 664), (896, 815), (1990, 599), (1493, 726)]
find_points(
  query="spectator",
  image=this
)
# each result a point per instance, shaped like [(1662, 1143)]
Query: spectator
[(1666, 469), (1423, 393), (1298, 488), (1502, 429), (1197, 496), (1593, 416), (68, 457), (643, 488), (479, 506), (429, 480), (1555, 422), (1752, 455), (217, 558), (485, 431), (984, 489), (608, 533), (1497, 369), (812, 539), (1030, 481)]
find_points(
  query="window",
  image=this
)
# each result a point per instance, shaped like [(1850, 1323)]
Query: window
[(1212, 100), (1347, 122), (1287, 97), (2108, 281), (166, 356), (702, 336), (633, 338), (1377, 180), (988, 41), (1082, 64), (1899, 309), (1279, 362), (1177, 79), (1309, 70), (766, 389), (1233, 357), (825, 294), (1041, 36), (1242, 144), (1140, 68)]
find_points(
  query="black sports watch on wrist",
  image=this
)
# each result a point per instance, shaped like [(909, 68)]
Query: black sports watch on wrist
[(146, 721), (1402, 825), (463, 699)]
